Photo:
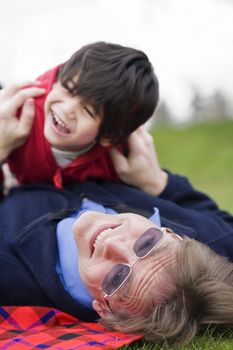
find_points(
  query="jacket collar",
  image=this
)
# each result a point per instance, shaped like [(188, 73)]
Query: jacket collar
[(36, 247)]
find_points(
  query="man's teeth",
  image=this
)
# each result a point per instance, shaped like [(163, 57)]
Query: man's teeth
[(58, 120), (101, 236)]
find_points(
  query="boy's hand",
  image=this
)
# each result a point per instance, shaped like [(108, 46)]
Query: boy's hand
[(14, 131), (141, 167)]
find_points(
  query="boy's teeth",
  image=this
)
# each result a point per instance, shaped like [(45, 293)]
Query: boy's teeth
[(101, 236), (58, 120)]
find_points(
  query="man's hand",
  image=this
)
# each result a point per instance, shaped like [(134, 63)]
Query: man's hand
[(141, 167), (14, 131)]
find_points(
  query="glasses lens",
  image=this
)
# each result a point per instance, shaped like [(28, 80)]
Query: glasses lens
[(147, 241), (114, 278)]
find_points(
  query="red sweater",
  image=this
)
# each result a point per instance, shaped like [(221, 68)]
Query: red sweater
[(34, 161)]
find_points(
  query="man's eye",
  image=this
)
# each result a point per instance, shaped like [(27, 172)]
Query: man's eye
[(115, 277), (145, 246), (147, 241)]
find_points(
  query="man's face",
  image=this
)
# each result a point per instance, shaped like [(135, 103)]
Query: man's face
[(105, 240), (70, 123)]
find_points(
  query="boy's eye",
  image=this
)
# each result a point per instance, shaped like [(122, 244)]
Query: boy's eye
[(67, 91), (89, 112)]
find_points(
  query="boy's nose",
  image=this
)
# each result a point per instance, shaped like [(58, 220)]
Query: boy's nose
[(69, 108)]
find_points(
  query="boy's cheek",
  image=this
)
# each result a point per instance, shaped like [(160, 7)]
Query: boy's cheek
[(48, 99)]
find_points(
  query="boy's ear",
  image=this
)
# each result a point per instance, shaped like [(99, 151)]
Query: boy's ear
[(100, 308), (105, 142)]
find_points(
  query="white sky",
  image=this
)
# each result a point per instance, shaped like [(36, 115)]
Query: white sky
[(189, 42)]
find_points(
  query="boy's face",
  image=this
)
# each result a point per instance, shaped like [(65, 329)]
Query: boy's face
[(70, 123)]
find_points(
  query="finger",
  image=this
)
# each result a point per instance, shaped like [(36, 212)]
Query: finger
[(21, 96), (14, 88), (144, 133), (135, 143), (141, 129), (141, 138), (27, 117), (120, 162)]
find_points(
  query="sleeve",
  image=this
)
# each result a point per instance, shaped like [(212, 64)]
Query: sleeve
[(180, 191), (195, 209), (1, 182)]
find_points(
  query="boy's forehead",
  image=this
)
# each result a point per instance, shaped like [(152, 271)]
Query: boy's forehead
[(72, 83)]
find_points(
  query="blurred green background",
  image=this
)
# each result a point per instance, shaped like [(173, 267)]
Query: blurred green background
[(204, 153)]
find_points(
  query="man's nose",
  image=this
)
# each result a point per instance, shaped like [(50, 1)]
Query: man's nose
[(117, 249)]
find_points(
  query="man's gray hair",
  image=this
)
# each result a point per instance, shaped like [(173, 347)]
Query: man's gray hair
[(202, 294)]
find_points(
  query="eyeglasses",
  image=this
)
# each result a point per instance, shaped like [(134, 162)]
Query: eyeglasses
[(143, 246)]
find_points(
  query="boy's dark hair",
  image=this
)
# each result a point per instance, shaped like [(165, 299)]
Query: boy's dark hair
[(118, 81)]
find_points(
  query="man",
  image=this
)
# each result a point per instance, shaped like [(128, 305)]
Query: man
[(134, 274)]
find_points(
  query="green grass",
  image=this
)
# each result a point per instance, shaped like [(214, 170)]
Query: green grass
[(209, 341), (204, 153)]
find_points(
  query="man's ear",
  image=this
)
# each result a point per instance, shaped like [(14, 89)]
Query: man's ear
[(105, 142), (100, 308)]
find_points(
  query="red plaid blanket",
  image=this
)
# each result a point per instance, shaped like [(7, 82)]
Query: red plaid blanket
[(34, 327)]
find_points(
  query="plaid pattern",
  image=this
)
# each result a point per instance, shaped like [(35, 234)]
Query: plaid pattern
[(34, 327)]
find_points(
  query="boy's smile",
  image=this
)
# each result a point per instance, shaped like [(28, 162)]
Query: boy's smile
[(70, 123), (58, 125)]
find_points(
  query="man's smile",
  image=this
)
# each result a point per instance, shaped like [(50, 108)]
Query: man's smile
[(100, 234)]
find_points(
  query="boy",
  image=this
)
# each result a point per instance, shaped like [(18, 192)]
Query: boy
[(94, 100)]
